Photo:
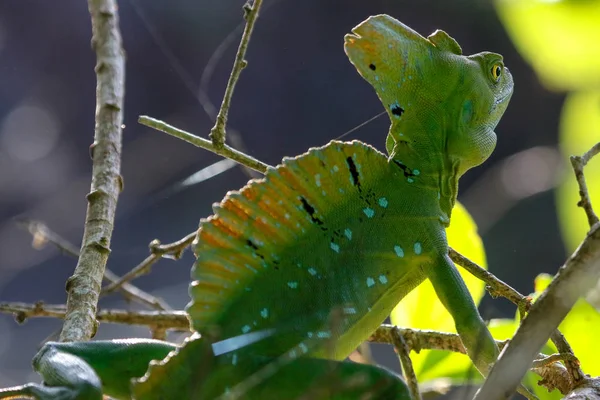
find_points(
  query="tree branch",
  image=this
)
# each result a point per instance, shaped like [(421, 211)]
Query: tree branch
[(157, 251), (175, 320), (225, 151), (42, 234), (404, 354), (217, 133), (84, 286), (578, 162)]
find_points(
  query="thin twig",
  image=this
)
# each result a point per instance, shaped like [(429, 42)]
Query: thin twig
[(133, 293), (225, 151), (552, 358), (404, 354), (42, 234), (157, 251), (217, 133), (167, 320), (578, 163), (83, 287), (570, 361), (495, 286)]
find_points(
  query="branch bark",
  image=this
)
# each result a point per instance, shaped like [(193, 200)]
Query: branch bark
[(84, 286)]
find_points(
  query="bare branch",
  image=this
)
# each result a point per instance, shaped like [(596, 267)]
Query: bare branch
[(84, 286), (404, 354), (578, 163), (175, 320), (225, 151), (217, 133), (157, 251), (42, 234), (495, 286)]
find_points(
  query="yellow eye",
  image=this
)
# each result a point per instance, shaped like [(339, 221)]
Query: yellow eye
[(496, 71)]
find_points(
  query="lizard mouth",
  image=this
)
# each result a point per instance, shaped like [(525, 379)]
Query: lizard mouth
[(505, 95)]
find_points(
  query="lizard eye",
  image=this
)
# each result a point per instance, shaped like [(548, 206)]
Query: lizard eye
[(496, 71)]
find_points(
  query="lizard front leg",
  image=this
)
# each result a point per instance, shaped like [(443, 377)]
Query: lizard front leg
[(453, 293)]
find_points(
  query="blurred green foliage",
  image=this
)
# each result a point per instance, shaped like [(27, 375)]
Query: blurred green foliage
[(560, 39)]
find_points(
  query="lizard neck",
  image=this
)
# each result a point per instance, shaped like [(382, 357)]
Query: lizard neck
[(427, 168)]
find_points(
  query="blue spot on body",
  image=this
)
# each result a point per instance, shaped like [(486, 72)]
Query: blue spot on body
[(312, 271), (410, 180), (398, 250), (335, 247), (246, 328), (383, 279), (418, 248), (335, 168), (370, 282), (376, 77), (416, 172), (383, 202), (369, 212), (323, 334), (318, 180), (349, 310), (292, 354), (293, 284), (348, 233), (250, 268), (303, 347), (234, 359), (309, 334), (264, 313)]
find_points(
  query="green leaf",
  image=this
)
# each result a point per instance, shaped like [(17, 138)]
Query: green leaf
[(423, 310), (579, 131), (558, 38)]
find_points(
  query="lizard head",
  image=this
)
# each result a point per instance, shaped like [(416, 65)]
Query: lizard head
[(443, 105)]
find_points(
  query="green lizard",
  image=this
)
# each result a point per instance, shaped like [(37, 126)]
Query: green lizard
[(294, 271)]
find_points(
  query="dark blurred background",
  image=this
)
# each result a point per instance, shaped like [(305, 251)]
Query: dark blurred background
[(298, 91)]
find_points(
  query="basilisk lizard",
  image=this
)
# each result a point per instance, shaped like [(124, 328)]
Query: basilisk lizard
[(295, 270)]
